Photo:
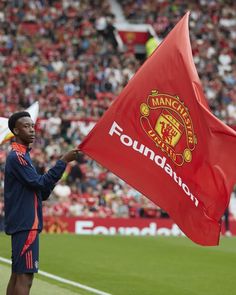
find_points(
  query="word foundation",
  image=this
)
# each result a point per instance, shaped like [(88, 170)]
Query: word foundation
[(160, 161)]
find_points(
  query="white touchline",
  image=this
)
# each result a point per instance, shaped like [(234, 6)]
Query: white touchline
[(62, 280)]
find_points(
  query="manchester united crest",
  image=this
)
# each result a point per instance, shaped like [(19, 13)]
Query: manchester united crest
[(167, 122)]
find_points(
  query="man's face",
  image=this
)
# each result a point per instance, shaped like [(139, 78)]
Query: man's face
[(24, 130)]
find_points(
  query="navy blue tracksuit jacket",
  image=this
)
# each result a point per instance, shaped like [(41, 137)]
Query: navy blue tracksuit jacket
[(25, 189)]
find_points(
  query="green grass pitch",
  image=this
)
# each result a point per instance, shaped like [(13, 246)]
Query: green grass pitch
[(133, 265)]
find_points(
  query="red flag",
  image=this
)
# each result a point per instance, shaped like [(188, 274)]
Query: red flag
[(160, 137)]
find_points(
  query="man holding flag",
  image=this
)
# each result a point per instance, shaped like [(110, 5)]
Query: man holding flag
[(24, 191), (161, 138)]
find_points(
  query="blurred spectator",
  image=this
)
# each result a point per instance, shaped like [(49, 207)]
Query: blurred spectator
[(227, 223), (62, 191), (76, 208)]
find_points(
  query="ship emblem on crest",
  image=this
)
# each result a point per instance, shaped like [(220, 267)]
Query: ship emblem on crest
[(167, 122)]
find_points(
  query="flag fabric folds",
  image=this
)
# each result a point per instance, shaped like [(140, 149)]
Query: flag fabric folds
[(5, 133), (160, 137)]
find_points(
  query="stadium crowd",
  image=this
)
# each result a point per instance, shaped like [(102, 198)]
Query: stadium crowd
[(64, 54)]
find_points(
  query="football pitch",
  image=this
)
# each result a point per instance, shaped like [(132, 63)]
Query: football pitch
[(121, 265)]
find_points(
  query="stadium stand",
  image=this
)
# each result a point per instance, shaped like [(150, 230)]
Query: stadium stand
[(65, 55)]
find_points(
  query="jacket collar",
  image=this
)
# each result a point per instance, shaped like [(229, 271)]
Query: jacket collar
[(19, 147)]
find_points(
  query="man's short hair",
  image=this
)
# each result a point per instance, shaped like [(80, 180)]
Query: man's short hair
[(14, 117)]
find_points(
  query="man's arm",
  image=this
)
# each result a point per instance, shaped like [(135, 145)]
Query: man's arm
[(26, 173)]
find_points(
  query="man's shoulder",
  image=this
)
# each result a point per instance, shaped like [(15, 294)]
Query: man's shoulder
[(11, 155), (16, 156), (10, 160)]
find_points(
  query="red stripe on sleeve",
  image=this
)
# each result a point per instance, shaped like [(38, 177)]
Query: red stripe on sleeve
[(21, 159)]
